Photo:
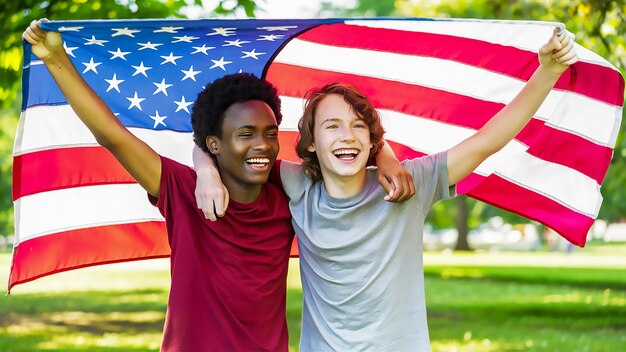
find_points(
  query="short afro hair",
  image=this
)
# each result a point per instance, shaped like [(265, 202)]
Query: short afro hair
[(208, 110)]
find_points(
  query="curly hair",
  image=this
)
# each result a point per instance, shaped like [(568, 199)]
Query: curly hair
[(208, 110), (359, 104)]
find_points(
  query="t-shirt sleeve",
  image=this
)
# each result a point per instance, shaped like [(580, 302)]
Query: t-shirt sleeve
[(293, 179), (173, 176), (430, 176)]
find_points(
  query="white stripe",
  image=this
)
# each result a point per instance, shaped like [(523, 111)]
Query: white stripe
[(528, 35), (74, 208), (57, 126), (512, 162), (444, 75)]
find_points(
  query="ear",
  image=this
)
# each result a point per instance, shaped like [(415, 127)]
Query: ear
[(213, 143), (311, 148)]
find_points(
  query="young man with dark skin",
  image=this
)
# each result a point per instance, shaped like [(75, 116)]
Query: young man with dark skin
[(228, 289)]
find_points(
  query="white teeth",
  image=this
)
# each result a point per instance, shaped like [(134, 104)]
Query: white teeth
[(258, 161), (346, 151)]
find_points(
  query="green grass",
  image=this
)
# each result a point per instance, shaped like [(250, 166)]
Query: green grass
[(476, 302)]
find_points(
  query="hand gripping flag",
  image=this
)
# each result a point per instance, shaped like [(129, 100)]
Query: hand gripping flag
[(435, 83)]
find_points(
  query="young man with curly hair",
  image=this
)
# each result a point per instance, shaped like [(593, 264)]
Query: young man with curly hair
[(228, 277), (361, 257)]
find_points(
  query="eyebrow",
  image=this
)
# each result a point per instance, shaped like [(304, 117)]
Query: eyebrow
[(253, 127)]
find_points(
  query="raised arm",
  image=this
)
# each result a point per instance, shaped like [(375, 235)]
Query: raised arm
[(138, 158), (554, 57)]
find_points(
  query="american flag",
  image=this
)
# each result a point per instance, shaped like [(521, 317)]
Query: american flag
[(435, 83)]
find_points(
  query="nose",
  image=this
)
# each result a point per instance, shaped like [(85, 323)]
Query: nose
[(347, 135), (261, 144)]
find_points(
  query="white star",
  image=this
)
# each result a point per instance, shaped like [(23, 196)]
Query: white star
[(169, 29), (69, 51), (141, 69), (236, 43), (277, 28), (70, 29), (91, 66), (186, 39), (114, 83), (149, 45), (220, 63), (170, 58), (253, 54), (158, 120), (119, 53), (182, 104), (226, 32), (124, 31), (161, 87), (94, 41), (135, 101), (271, 37), (190, 74), (202, 49)]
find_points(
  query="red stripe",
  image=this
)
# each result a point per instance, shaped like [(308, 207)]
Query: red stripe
[(498, 191), (65, 168), (548, 143), (74, 249), (592, 80)]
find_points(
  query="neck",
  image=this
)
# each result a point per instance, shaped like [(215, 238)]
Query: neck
[(241, 193), (344, 186)]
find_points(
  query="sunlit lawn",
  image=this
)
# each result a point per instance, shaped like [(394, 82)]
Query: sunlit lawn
[(476, 302)]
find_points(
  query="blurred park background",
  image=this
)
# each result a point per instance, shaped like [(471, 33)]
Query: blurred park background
[(495, 281)]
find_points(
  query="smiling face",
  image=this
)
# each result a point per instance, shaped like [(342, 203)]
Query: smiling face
[(341, 142), (247, 148)]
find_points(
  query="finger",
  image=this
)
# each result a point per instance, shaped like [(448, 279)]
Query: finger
[(226, 200), (572, 60), (406, 194), (219, 205), (386, 186), (399, 188), (29, 38), (564, 51), (35, 27), (209, 211)]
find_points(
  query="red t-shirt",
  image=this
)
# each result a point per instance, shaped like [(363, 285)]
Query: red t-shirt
[(228, 288)]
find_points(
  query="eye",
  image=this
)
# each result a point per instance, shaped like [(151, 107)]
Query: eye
[(332, 126), (272, 134), (360, 125), (245, 134)]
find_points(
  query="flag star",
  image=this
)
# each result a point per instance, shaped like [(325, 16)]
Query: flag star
[(161, 87), (94, 41), (186, 39), (124, 31), (277, 28), (135, 101), (70, 29), (253, 54), (271, 37), (226, 32), (91, 66), (114, 83), (202, 49), (68, 50), (158, 120), (119, 53), (149, 45), (236, 43), (169, 29), (220, 63), (170, 58), (141, 69), (190, 74), (182, 104)]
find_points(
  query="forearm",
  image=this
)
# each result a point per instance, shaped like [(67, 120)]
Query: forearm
[(507, 123), (87, 105)]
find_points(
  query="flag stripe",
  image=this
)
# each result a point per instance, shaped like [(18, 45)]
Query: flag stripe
[(444, 75), (498, 191), (507, 60), (74, 208), (39, 256)]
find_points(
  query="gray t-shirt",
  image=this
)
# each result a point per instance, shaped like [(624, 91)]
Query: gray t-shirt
[(361, 260)]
